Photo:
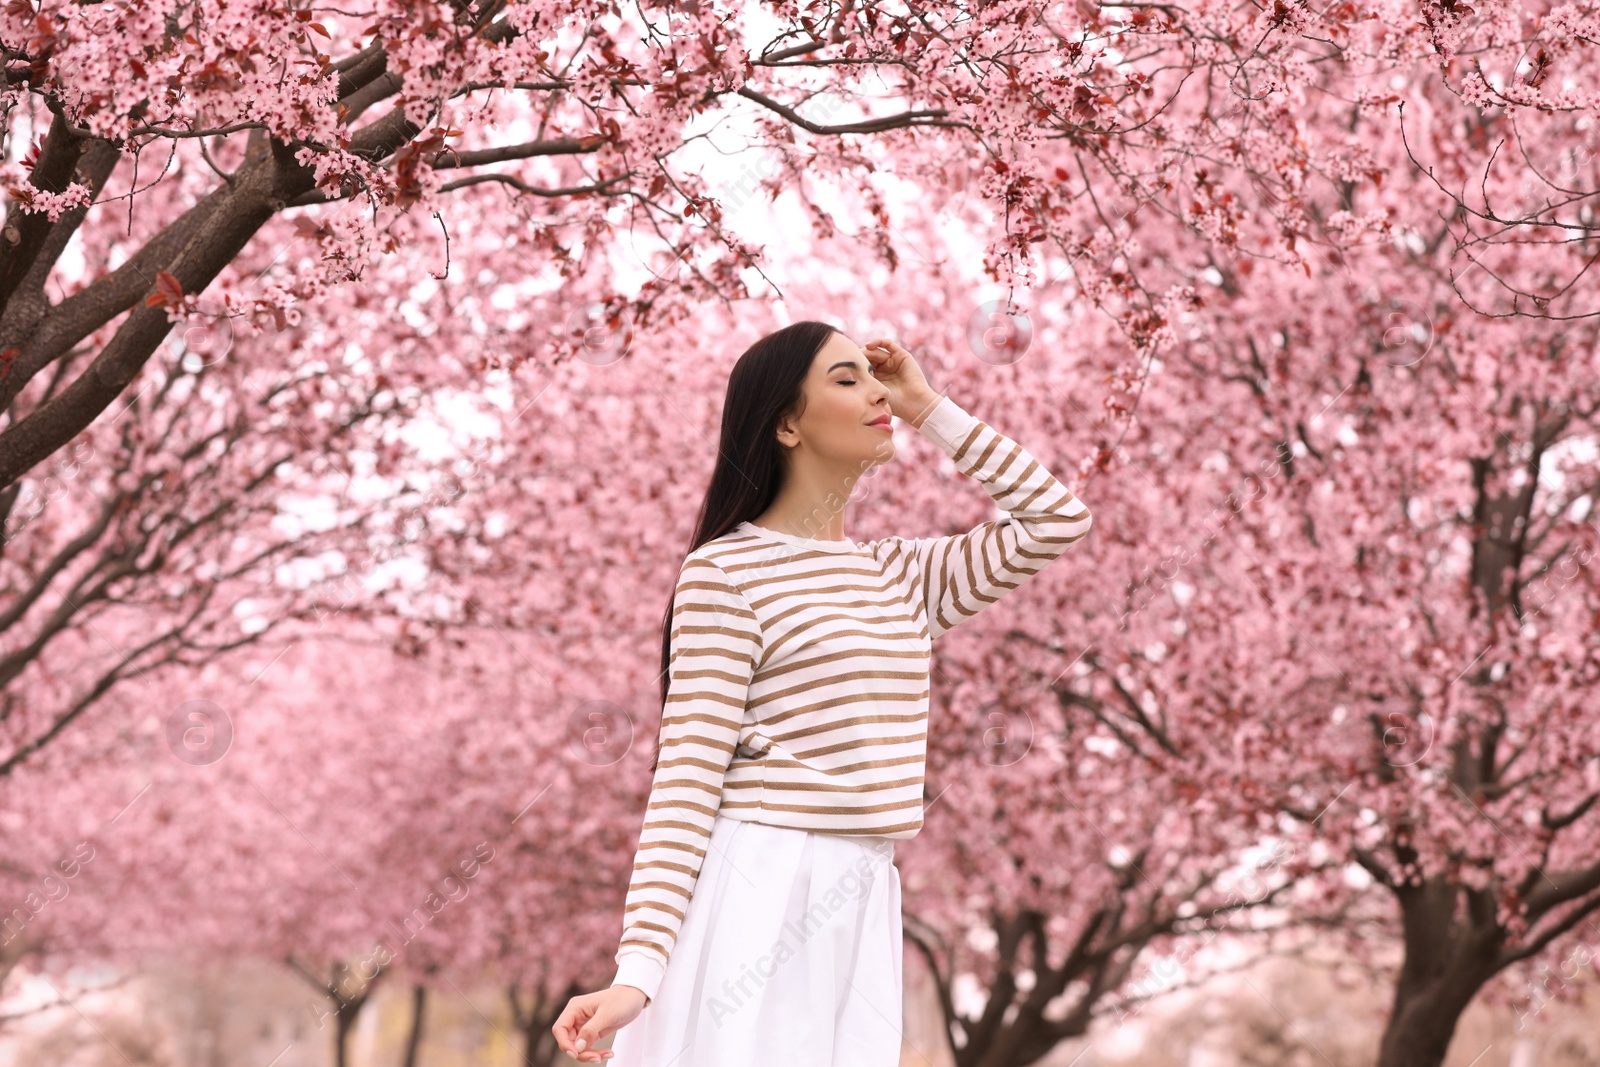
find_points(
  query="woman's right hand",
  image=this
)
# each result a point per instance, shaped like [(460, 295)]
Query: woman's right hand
[(592, 1016)]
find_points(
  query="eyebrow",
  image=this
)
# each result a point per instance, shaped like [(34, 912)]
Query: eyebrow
[(852, 364)]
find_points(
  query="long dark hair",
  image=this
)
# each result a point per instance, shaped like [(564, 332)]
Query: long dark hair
[(765, 384)]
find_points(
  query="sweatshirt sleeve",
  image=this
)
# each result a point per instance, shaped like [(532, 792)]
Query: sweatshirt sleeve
[(964, 573), (716, 643)]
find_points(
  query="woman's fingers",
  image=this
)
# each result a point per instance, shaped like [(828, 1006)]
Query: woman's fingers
[(590, 1054), (890, 354), (572, 1017), (884, 354), (590, 1019)]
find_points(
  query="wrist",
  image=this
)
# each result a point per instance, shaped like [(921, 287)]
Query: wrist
[(641, 969), (636, 989), (921, 405)]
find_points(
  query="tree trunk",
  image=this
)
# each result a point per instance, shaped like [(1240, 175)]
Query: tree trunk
[(1013, 1028), (419, 1000), (341, 1048), (1421, 1026), (1447, 960), (534, 1020), (345, 990)]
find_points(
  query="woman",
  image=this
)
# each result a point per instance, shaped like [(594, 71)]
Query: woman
[(794, 718)]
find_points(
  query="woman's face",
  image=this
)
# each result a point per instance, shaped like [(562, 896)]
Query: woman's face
[(845, 421)]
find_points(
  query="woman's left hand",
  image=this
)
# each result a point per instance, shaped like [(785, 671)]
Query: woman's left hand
[(910, 395)]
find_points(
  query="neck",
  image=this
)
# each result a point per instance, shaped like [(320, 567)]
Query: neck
[(811, 503)]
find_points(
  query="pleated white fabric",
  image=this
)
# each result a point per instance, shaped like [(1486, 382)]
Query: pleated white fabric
[(789, 956)]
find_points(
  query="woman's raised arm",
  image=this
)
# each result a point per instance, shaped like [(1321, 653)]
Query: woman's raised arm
[(964, 573)]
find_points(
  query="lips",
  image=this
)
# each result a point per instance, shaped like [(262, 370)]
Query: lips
[(882, 424)]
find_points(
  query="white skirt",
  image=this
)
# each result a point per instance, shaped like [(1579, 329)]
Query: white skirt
[(788, 956)]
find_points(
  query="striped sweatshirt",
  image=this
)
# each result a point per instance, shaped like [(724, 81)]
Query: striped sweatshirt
[(798, 681)]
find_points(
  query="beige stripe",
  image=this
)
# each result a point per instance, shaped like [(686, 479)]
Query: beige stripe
[(780, 762), (856, 721), (876, 653), (812, 682), (692, 761), (692, 673), (827, 750), (678, 649), (652, 944), (665, 865), (1046, 485), (905, 558), (875, 589), (700, 740), (836, 809), (764, 556), (851, 699), (800, 632), (966, 443), (999, 476), (686, 783), (657, 905), (679, 803), (842, 790), (664, 906), (694, 695), (693, 604), (805, 601)]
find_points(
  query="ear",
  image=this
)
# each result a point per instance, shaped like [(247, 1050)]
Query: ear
[(787, 435)]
